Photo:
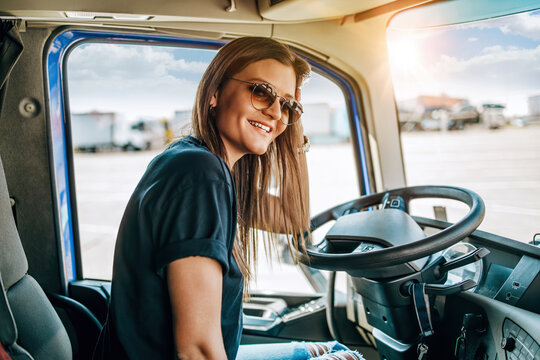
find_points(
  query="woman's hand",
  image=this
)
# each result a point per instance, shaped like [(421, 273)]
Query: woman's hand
[(195, 288)]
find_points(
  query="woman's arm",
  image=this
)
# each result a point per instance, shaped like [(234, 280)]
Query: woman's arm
[(195, 288)]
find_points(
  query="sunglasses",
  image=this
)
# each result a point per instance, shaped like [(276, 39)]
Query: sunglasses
[(263, 96)]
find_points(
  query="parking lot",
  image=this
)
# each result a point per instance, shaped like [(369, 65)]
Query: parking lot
[(502, 165)]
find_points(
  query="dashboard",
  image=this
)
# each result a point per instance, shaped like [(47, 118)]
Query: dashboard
[(497, 319)]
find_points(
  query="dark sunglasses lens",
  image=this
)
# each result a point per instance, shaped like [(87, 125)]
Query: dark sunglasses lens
[(292, 111), (262, 96)]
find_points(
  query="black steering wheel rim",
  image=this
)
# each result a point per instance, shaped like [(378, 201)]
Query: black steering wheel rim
[(403, 253)]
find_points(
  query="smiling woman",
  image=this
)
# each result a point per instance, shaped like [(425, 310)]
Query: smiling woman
[(178, 255), (92, 124)]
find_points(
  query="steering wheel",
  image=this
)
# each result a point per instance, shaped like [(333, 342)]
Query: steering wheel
[(387, 242)]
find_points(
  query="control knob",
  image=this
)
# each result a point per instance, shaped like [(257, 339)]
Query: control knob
[(508, 343)]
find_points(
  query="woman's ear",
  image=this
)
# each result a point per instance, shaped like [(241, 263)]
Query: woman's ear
[(298, 94), (213, 100)]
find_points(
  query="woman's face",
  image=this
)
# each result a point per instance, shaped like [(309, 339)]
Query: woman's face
[(244, 129)]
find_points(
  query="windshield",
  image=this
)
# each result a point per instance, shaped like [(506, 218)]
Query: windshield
[(468, 100)]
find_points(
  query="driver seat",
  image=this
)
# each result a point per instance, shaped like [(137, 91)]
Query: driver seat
[(30, 328)]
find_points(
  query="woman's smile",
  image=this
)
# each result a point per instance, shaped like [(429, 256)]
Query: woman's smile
[(259, 126)]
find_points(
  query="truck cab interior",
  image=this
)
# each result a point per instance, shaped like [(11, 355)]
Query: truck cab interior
[(425, 218)]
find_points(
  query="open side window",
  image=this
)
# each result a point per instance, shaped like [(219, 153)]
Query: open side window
[(116, 100)]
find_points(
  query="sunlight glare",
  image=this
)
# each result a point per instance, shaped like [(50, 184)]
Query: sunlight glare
[(404, 55)]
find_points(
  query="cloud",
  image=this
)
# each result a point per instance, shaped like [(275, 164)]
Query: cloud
[(525, 24), (135, 80), (112, 60), (472, 39), (510, 65), (492, 49)]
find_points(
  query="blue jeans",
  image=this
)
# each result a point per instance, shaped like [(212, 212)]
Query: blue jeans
[(291, 351)]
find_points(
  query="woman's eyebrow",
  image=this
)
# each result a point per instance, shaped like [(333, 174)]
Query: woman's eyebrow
[(287, 96)]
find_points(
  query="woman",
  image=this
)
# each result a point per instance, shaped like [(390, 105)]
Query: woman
[(179, 263)]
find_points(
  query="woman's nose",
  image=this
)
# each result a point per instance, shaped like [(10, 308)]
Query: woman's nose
[(274, 111)]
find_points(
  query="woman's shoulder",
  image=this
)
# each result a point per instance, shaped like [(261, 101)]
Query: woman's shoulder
[(191, 150), (189, 160)]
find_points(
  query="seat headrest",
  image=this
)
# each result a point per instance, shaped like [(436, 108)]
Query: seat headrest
[(13, 263)]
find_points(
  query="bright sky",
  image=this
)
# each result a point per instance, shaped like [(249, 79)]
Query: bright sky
[(134, 80), (495, 61)]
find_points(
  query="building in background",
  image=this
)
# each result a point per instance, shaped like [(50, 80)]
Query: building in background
[(142, 134), (326, 124), (106, 131), (533, 103), (428, 112), (93, 131)]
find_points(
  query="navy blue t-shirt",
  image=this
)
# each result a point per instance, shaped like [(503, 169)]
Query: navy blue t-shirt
[(184, 205)]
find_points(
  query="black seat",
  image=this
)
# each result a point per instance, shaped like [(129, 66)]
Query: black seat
[(81, 324), (29, 325)]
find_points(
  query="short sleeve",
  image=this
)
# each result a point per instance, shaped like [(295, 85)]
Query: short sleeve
[(193, 221)]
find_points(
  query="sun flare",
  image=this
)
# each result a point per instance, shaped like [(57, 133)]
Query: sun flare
[(404, 55)]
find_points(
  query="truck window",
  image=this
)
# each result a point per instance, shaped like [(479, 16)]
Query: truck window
[(128, 101)]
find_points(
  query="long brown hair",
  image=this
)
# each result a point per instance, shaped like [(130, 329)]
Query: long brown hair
[(282, 168)]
